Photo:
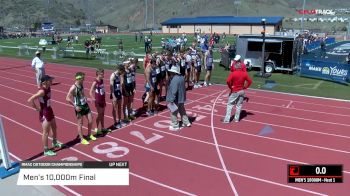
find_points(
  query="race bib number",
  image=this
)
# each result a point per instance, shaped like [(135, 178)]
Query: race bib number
[(129, 80), (83, 101), (210, 60), (48, 104), (162, 68), (118, 87), (183, 64), (157, 71), (154, 80), (102, 91)]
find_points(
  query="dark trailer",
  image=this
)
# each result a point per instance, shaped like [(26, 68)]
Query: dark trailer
[(280, 52)]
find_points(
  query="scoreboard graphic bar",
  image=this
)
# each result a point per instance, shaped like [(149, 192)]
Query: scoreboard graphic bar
[(315, 173)]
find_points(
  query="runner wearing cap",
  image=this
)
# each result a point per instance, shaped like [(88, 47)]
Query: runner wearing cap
[(81, 107), (46, 115), (116, 82), (177, 96), (98, 93), (39, 67)]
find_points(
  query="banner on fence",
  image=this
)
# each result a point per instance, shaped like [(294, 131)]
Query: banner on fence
[(332, 71)]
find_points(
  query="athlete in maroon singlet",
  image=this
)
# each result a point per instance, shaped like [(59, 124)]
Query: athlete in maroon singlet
[(97, 93), (46, 115)]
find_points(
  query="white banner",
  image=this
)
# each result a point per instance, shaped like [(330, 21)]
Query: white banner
[(93, 176)]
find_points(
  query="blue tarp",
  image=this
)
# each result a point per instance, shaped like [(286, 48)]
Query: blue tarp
[(332, 71)]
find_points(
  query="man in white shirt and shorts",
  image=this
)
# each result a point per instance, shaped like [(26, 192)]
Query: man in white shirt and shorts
[(39, 67)]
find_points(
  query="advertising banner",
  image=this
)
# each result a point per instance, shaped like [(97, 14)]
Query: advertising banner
[(332, 71)]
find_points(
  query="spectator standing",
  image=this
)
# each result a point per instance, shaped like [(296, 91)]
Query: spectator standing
[(76, 39), (120, 45), (141, 36), (323, 48)]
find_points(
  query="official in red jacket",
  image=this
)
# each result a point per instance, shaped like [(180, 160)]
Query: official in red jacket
[(237, 82)]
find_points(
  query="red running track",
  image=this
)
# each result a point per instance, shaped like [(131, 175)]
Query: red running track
[(209, 158)]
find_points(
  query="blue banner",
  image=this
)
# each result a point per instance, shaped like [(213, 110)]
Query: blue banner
[(317, 44), (332, 71)]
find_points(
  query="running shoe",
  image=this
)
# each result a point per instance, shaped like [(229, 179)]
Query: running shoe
[(131, 117), (126, 121), (97, 131), (118, 125), (57, 144), (133, 112), (186, 125), (49, 153), (84, 142), (224, 121), (174, 127), (106, 130), (149, 113), (91, 137)]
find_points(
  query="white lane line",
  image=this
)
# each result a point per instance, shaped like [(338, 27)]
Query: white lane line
[(289, 104), (233, 188)]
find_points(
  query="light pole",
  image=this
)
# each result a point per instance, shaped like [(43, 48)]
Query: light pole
[(146, 6), (153, 15), (237, 3), (262, 70), (47, 10), (302, 18)]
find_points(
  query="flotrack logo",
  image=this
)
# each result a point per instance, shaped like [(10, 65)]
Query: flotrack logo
[(338, 72), (317, 11)]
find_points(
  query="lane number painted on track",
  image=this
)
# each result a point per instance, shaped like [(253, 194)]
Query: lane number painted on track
[(195, 115), (150, 140), (162, 124), (207, 108), (111, 150)]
